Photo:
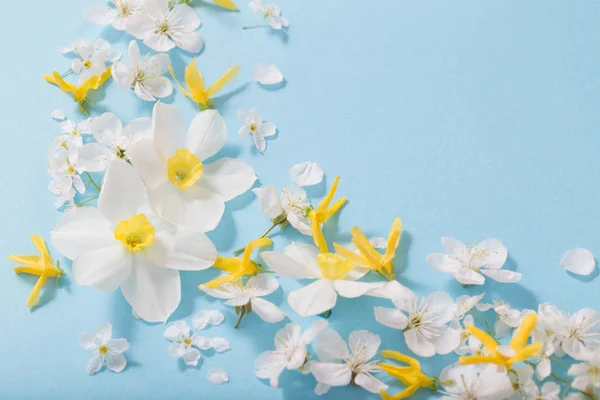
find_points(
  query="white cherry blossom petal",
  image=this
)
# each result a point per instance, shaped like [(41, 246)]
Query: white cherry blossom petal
[(306, 174), (267, 74), (578, 261)]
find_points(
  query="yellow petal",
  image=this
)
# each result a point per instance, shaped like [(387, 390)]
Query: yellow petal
[(317, 232), (228, 264), (488, 342), (466, 360), (30, 270), (253, 245), (405, 394), (181, 88), (396, 355), (226, 4), (527, 352), (330, 212), (63, 85), (215, 283), (34, 296), (349, 254), (520, 339), (324, 204), (223, 80), (195, 83), (404, 374), (393, 240), (40, 245), (365, 247)]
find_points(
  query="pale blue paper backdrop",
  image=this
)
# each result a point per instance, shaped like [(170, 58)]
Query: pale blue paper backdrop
[(471, 119)]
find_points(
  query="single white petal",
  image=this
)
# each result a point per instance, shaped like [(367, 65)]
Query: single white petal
[(191, 42), (176, 349), (306, 174), (543, 369), (117, 345), (58, 115), (160, 87), (448, 341), (266, 310), (228, 177), (123, 75), (104, 269), (269, 365), (443, 262), (442, 305), (286, 266), (260, 143), (140, 25), (220, 344), (217, 376), (106, 128), (351, 290), (94, 363), (267, 74), (331, 374), (87, 340), (169, 131), (578, 261), (177, 330), (191, 356), (269, 201), (122, 193), (391, 317), (496, 252), (95, 157), (419, 344), (183, 249), (454, 247), (313, 299), (370, 383), (469, 277), (267, 129), (207, 134), (202, 342), (147, 163), (502, 275), (331, 346), (100, 14), (153, 292), (104, 332), (116, 362), (364, 345)]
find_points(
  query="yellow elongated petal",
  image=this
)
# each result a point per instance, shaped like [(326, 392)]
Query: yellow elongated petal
[(215, 283), (527, 352), (40, 245), (228, 264), (63, 85), (34, 296), (330, 212), (223, 81), (404, 374), (39, 271), (253, 245), (226, 4), (32, 261), (365, 247), (195, 82), (317, 233), (324, 204), (466, 360), (405, 394), (488, 342), (520, 339), (350, 255), (181, 88), (396, 355), (393, 240)]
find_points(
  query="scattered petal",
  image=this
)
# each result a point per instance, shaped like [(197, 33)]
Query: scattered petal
[(306, 174), (578, 261), (217, 376), (267, 74), (220, 344), (58, 115)]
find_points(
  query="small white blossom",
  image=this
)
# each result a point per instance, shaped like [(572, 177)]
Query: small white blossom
[(465, 303), (253, 125), (291, 205), (91, 57), (185, 345), (467, 382), (271, 12), (105, 349), (65, 166), (102, 14), (508, 318), (587, 374)]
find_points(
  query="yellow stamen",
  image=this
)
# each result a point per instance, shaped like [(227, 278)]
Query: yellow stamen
[(184, 169), (87, 64), (136, 233), (187, 341), (103, 350)]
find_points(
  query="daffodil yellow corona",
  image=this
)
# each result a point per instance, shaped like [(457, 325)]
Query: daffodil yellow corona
[(79, 93), (197, 91), (369, 257), (411, 375), (237, 267), (40, 265), (136, 233), (517, 351), (184, 169), (325, 210)]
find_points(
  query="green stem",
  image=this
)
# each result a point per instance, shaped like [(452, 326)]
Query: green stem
[(242, 312), (66, 73), (273, 225), (254, 25), (558, 360), (92, 181), (487, 326), (86, 201)]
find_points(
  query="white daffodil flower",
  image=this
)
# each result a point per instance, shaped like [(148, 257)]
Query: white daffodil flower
[(204, 318), (425, 329), (93, 58), (292, 205), (65, 166), (587, 374), (185, 345), (162, 28), (144, 75), (465, 303), (102, 14), (253, 125), (579, 261), (271, 12), (462, 382), (468, 264), (306, 174), (469, 344), (121, 244), (181, 188), (331, 273), (112, 140), (105, 349), (289, 353), (267, 74), (217, 376), (578, 333), (248, 297), (340, 364), (508, 317)]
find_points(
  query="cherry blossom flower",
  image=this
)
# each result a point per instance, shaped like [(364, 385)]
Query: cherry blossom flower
[(508, 317), (465, 303), (425, 329), (181, 188), (144, 75), (162, 28), (469, 382), (121, 244), (290, 351), (105, 349), (270, 12), (91, 58), (102, 14), (253, 125), (65, 166), (340, 364), (587, 374), (468, 264), (185, 345), (292, 205)]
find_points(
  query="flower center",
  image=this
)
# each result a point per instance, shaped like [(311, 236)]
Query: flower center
[(594, 370), (253, 127), (184, 169), (103, 350), (333, 266), (136, 233), (87, 64), (187, 341), (162, 27), (139, 77), (71, 170), (120, 152), (124, 10)]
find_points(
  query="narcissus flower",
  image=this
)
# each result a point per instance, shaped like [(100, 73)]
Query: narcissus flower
[(371, 258), (505, 355), (181, 188), (79, 93), (197, 91), (122, 244), (40, 265), (105, 349), (410, 375), (236, 267)]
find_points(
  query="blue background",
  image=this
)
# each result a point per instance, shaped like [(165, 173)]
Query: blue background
[(470, 119)]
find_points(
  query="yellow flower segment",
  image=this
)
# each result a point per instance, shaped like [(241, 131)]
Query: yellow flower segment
[(324, 211), (136, 233), (518, 344), (229, 5), (40, 265), (411, 376), (196, 90), (184, 169), (237, 267), (332, 266), (369, 257), (79, 93)]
